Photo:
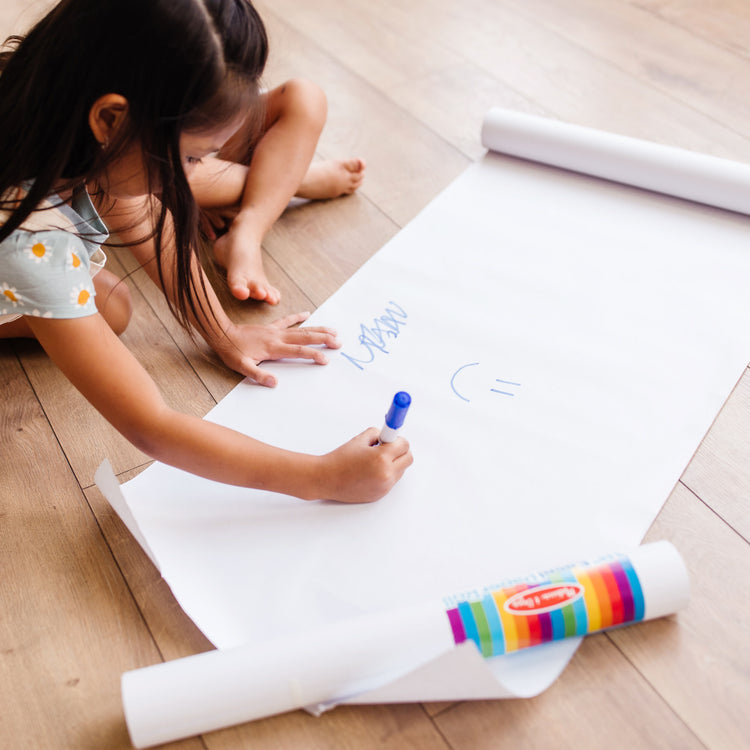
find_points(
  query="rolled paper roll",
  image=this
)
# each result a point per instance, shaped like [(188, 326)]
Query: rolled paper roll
[(217, 689), (664, 169), (221, 688)]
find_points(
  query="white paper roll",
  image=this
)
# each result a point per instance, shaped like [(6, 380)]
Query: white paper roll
[(663, 577), (665, 169), (218, 689)]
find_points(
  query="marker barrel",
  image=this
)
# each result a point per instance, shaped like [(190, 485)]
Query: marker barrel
[(395, 417)]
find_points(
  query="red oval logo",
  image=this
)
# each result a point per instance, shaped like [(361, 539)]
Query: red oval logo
[(544, 598)]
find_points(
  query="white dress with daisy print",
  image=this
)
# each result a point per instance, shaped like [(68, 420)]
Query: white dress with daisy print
[(47, 266)]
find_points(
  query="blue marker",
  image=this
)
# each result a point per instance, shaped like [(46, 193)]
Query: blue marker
[(395, 417)]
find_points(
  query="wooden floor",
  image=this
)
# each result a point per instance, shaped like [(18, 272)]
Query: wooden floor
[(408, 83)]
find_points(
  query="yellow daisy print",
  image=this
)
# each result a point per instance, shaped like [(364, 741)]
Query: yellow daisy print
[(74, 260), (37, 252), (9, 295), (80, 295)]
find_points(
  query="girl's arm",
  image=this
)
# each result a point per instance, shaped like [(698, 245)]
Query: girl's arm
[(106, 373), (241, 347)]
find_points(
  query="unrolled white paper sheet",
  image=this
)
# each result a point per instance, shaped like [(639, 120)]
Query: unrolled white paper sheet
[(567, 342)]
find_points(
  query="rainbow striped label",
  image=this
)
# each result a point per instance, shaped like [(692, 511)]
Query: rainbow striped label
[(570, 601)]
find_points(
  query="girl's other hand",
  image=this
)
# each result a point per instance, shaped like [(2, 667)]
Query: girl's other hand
[(362, 471), (245, 346)]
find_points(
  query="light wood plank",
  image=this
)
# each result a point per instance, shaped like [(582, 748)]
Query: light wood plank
[(721, 22), (16, 16), (410, 66), (662, 55), (600, 700), (343, 728), (699, 661), (68, 625), (720, 470), (540, 61)]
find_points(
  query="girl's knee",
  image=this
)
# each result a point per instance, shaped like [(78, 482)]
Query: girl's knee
[(113, 301), (123, 309), (308, 98)]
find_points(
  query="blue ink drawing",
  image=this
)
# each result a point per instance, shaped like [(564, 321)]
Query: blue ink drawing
[(453, 379), (502, 392), (373, 338), (505, 382)]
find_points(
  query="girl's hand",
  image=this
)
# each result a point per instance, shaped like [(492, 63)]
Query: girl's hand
[(215, 221), (247, 345), (362, 471)]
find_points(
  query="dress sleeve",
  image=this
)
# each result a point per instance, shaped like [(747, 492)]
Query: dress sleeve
[(45, 274)]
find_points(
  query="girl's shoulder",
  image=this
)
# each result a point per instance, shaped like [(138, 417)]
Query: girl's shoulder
[(45, 273), (27, 249)]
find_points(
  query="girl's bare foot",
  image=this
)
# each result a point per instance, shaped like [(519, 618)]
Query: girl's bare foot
[(243, 262), (331, 179), (239, 252)]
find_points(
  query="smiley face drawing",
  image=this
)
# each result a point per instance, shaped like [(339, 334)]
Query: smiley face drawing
[(471, 379)]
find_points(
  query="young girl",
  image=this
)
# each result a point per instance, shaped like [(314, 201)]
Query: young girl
[(120, 101)]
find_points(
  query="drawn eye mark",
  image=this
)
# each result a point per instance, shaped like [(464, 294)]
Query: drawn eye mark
[(505, 382)]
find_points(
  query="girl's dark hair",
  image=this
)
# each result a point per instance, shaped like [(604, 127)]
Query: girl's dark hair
[(183, 65)]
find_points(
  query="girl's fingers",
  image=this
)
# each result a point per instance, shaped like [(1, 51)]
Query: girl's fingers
[(298, 351), (308, 337), (371, 436), (312, 335), (258, 374), (399, 447), (256, 345), (315, 330), (289, 320)]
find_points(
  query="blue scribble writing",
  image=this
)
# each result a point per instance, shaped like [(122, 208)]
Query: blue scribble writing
[(373, 338)]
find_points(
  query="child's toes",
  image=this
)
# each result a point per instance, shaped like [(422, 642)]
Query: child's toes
[(239, 287), (355, 166), (263, 292), (273, 295)]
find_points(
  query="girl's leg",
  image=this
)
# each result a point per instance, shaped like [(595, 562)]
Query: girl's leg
[(112, 301), (253, 197), (331, 179)]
